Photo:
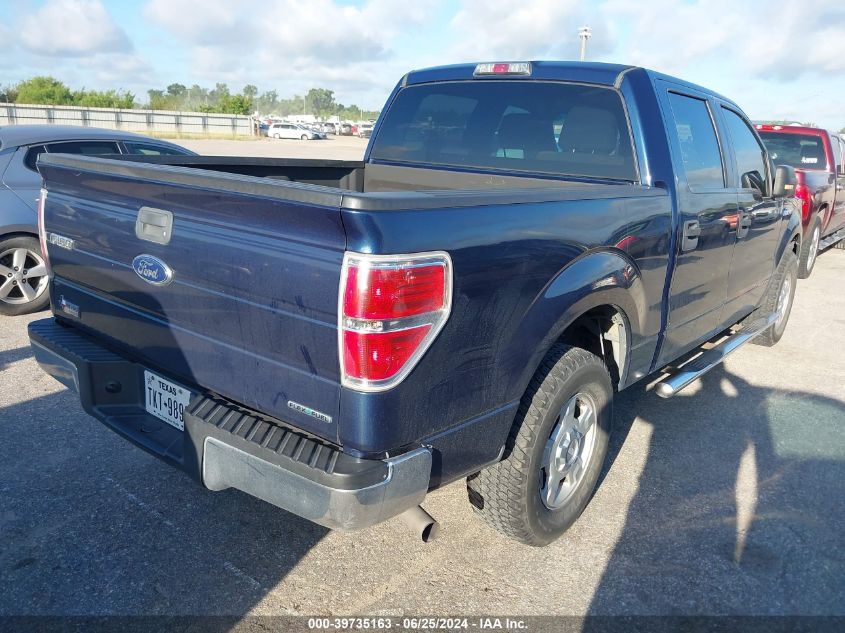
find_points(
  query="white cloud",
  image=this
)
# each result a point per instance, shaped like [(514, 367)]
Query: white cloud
[(72, 28), (531, 29), (755, 39), (293, 45)]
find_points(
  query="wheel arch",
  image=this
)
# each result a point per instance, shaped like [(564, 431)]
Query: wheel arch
[(597, 302)]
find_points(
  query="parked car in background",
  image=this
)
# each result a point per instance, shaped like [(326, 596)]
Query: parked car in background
[(817, 157), (341, 350), (24, 276), (262, 129), (329, 128), (365, 130), (345, 129), (293, 130)]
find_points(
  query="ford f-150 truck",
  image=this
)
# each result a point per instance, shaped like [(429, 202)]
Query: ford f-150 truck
[(520, 241), (816, 156)]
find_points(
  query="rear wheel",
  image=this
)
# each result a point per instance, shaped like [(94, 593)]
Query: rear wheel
[(810, 250), (23, 276), (554, 453), (779, 298), (304, 137)]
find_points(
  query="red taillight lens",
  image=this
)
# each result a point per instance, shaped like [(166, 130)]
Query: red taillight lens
[(380, 355), (391, 308), (802, 192), (392, 293)]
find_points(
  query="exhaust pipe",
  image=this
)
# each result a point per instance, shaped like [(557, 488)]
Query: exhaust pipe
[(421, 523)]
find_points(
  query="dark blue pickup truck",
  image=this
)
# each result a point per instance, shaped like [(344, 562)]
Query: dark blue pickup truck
[(520, 241)]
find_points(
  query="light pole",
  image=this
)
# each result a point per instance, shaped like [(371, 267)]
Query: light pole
[(584, 33)]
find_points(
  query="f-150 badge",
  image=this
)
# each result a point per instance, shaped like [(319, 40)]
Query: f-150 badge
[(152, 270)]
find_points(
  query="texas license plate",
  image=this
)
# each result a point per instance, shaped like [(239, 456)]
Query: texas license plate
[(165, 400)]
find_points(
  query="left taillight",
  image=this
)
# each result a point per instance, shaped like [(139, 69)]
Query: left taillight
[(391, 309), (42, 232)]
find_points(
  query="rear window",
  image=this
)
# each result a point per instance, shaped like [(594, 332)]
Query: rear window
[(551, 128), (802, 151)]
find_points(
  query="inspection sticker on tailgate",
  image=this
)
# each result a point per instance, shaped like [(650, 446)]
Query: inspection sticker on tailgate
[(165, 400)]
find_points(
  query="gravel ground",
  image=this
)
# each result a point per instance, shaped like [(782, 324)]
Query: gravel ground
[(724, 500)]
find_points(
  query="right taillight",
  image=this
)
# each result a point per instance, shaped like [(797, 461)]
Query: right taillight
[(42, 232), (802, 192), (391, 309)]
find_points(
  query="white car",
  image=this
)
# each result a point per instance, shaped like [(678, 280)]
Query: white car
[(292, 130)]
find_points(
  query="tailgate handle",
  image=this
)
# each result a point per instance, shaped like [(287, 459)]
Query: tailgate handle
[(154, 225)]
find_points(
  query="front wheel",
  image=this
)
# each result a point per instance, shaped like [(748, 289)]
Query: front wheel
[(779, 298), (23, 276), (554, 453)]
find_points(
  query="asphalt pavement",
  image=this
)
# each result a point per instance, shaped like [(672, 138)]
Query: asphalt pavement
[(727, 499)]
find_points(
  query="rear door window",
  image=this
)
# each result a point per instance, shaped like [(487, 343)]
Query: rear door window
[(150, 149), (86, 148), (699, 144), (554, 128)]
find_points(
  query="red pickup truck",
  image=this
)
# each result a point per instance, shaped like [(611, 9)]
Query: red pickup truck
[(819, 161)]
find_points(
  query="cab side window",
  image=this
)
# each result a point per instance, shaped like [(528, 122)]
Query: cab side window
[(698, 141), (750, 155)]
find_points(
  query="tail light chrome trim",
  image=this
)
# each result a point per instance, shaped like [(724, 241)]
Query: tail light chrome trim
[(42, 231), (435, 320)]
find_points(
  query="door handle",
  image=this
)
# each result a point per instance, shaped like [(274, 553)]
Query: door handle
[(692, 231), (743, 224), (154, 225)]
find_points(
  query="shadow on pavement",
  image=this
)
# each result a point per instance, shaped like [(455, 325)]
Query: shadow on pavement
[(92, 525), (739, 508), (9, 356)]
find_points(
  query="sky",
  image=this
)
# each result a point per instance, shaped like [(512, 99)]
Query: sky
[(777, 60)]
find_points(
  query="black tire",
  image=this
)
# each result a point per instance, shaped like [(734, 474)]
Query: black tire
[(507, 495), (787, 272), (304, 137), (807, 259), (13, 302)]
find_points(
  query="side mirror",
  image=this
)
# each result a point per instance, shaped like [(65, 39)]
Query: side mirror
[(785, 181)]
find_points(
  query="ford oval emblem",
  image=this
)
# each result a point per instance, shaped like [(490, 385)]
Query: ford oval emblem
[(152, 270)]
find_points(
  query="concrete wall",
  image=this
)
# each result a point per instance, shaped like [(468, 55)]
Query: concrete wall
[(143, 121)]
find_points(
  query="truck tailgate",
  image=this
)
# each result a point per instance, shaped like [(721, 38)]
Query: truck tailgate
[(251, 309)]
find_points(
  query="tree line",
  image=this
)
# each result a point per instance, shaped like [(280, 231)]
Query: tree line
[(51, 91)]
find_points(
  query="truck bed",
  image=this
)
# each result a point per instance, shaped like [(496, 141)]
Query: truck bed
[(252, 311)]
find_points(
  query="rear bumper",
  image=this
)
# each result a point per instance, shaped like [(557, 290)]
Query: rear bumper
[(227, 446)]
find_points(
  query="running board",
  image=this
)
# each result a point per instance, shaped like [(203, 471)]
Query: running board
[(830, 240), (696, 368)]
